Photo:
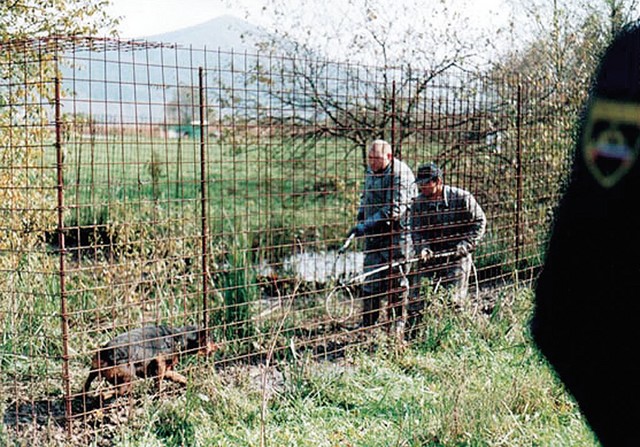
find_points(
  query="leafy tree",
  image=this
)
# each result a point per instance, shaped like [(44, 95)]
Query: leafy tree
[(27, 70), (561, 43), (399, 48), (562, 40), (557, 45), (42, 18)]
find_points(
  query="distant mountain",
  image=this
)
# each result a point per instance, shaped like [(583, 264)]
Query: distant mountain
[(136, 81), (224, 33)]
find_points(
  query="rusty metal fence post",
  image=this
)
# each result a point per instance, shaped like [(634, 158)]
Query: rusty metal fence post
[(392, 286), (203, 199), (519, 179), (64, 317), (394, 131)]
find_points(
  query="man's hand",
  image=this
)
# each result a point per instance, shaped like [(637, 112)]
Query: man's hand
[(426, 254), (357, 230), (463, 249)]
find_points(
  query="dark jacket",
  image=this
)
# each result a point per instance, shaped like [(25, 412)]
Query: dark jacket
[(441, 225)]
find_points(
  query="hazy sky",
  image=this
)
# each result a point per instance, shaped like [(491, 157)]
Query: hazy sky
[(148, 17)]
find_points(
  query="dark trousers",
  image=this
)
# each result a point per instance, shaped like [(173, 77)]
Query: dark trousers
[(393, 286)]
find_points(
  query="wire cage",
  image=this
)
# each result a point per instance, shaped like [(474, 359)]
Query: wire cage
[(209, 193)]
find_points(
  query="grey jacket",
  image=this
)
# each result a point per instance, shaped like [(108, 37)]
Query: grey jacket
[(384, 206), (441, 225)]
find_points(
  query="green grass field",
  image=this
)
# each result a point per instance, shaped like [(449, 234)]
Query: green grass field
[(469, 380)]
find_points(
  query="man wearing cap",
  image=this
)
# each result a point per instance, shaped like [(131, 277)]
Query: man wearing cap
[(443, 219), (383, 219)]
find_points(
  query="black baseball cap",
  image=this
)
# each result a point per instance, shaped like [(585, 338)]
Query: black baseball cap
[(428, 172)]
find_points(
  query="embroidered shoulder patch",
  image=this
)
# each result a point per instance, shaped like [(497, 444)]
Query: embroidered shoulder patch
[(611, 139)]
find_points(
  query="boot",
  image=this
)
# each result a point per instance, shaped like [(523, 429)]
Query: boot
[(370, 310)]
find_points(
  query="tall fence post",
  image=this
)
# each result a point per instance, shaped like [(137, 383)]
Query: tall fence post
[(396, 152), (519, 178), (203, 201), (64, 317)]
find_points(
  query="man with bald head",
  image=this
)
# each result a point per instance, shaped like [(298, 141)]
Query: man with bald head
[(387, 194)]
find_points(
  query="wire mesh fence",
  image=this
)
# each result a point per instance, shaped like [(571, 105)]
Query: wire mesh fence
[(205, 195)]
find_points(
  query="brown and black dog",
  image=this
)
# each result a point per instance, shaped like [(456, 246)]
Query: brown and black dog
[(150, 351)]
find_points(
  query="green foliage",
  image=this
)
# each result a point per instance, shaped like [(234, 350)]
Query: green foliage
[(28, 324), (560, 43), (28, 197), (37, 18), (174, 428), (238, 292), (26, 96)]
